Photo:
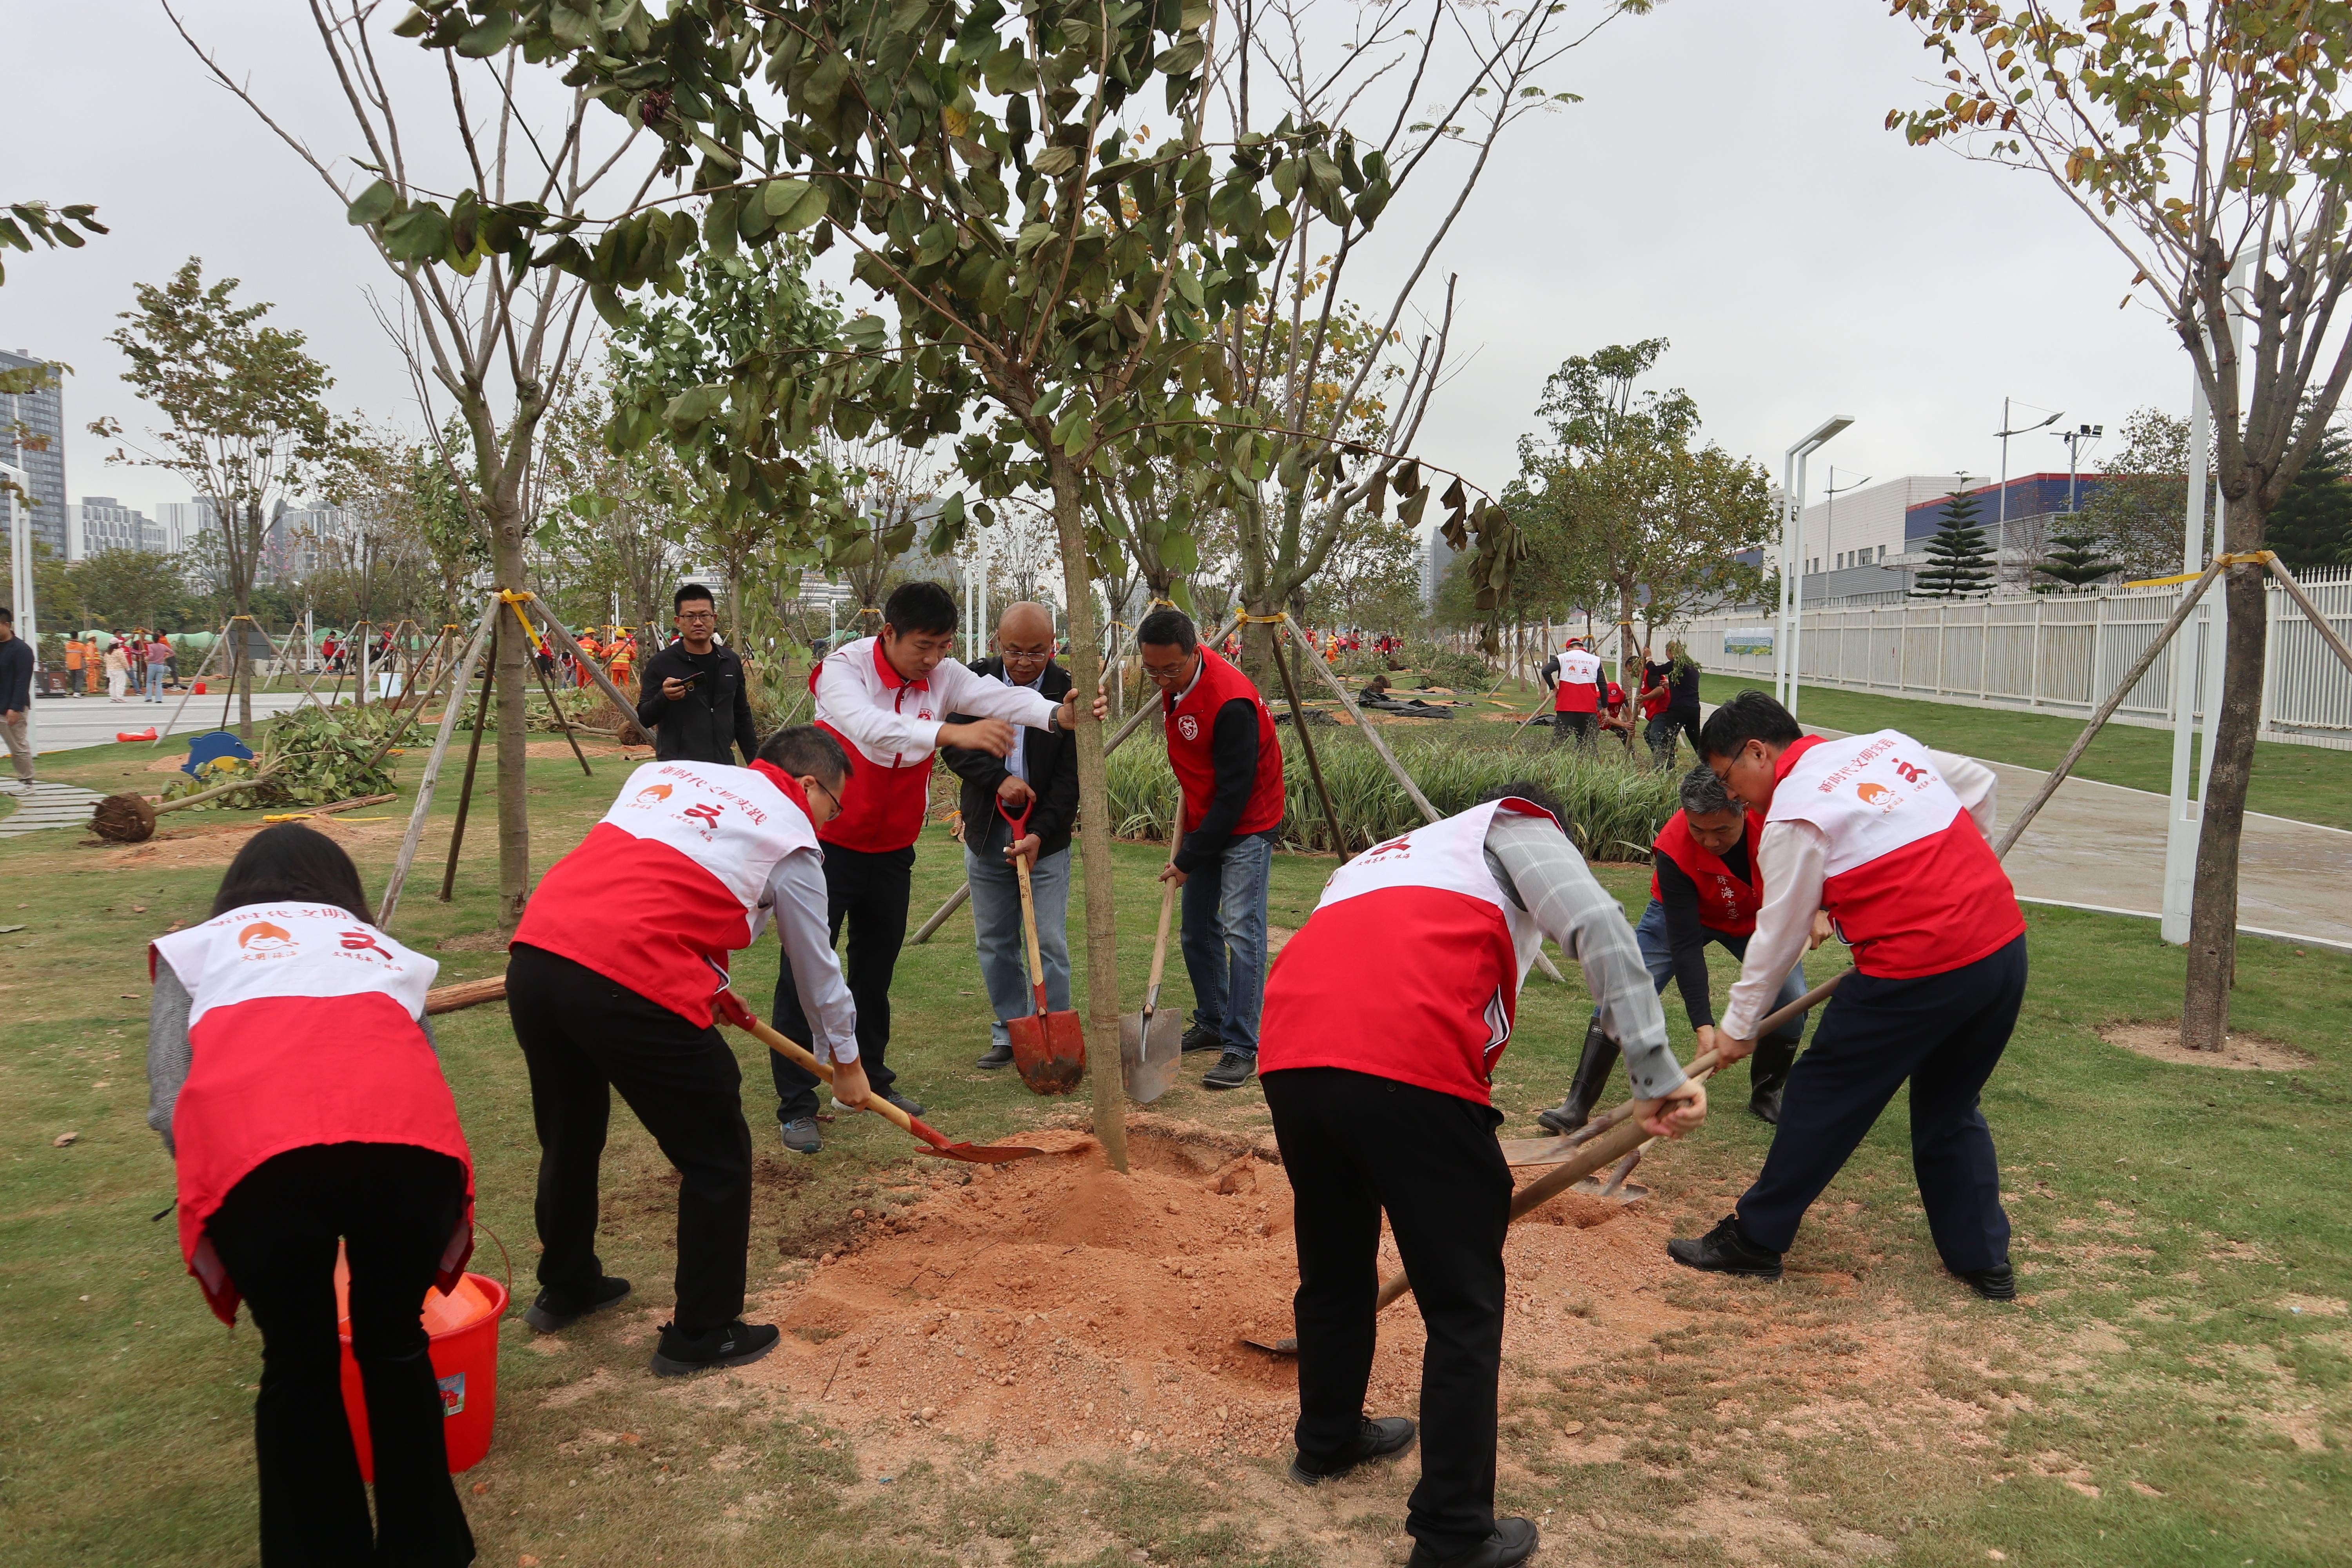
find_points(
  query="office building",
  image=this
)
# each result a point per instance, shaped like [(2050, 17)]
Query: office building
[(101, 523), (32, 437)]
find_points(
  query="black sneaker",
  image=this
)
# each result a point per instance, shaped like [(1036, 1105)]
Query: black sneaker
[(738, 1344), (801, 1137), (1724, 1250), (1000, 1055), (1997, 1283), (911, 1108), (1201, 1038), (1514, 1542), (561, 1309), (1378, 1439), (1233, 1070)]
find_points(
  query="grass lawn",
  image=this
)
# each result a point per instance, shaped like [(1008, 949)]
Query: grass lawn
[(2175, 1387)]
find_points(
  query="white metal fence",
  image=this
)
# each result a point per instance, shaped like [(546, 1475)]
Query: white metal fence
[(2056, 653)]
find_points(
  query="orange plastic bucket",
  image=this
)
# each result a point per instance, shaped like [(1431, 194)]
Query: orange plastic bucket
[(463, 1328)]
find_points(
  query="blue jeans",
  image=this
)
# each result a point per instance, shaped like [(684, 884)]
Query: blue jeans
[(1224, 940), (1658, 958), (1003, 949), (155, 683)]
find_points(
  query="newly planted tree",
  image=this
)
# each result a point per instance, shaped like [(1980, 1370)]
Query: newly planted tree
[(2208, 142)]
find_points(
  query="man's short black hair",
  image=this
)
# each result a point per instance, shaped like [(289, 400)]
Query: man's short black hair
[(1534, 793), (1752, 715), (919, 607), (7, 615), (803, 749), (1703, 794), (691, 591), (1169, 628)]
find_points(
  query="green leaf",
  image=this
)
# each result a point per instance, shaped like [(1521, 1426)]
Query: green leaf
[(488, 37), (1056, 161), (417, 233), (374, 205)]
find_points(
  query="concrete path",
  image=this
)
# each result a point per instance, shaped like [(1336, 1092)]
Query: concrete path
[(46, 805), (67, 723)]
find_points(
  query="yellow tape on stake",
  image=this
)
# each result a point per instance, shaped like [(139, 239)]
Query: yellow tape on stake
[(2243, 558)]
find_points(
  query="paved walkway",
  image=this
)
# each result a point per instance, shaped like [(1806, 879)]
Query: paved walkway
[(49, 805), (67, 723)]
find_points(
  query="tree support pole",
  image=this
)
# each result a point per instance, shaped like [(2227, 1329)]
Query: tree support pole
[(466, 790), (416, 834), (1307, 746), (210, 654), (2310, 612)]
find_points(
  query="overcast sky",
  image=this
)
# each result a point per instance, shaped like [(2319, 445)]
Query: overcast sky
[(1725, 184)]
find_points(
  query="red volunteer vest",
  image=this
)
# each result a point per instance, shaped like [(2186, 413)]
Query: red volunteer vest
[(1912, 884), (302, 1029), (686, 852), (1576, 693), (1191, 724), (882, 805), (1423, 915), (1726, 903)]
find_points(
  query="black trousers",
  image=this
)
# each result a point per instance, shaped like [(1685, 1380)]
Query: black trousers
[(1353, 1145), (1945, 1033), (394, 1206), (582, 1037), (1580, 728), (1661, 731), (869, 891)]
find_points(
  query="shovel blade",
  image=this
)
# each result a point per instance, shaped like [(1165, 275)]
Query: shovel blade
[(1149, 1053), (1049, 1050), (986, 1153)]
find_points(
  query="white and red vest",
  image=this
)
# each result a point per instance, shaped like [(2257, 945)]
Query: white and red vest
[(1575, 692), (1191, 722), (1725, 902), (1912, 884), (671, 882), (882, 805), (1410, 967), (302, 1029)]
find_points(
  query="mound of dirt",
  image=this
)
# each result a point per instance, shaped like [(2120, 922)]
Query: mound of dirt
[(1053, 1304), (2244, 1053)]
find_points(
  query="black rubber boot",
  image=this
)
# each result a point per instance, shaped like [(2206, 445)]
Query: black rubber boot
[(1592, 1069), (1768, 1075)]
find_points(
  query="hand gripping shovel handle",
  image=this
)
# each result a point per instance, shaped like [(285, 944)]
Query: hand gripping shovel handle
[(732, 1008)]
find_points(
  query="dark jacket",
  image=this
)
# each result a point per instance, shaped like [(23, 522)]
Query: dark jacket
[(1051, 762), (16, 674), (714, 714)]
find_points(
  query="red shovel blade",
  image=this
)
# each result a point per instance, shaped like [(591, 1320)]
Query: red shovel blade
[(971, 1153), (1049, 1050)]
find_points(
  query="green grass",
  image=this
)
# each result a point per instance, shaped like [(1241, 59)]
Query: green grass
[(2168, 1220)]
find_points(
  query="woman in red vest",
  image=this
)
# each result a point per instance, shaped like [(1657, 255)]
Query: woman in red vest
[(293, 1078), (1703, 888), (1890, 838)]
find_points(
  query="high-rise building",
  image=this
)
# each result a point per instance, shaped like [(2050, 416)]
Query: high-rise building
[(182, 522), (1436, 559), (32, 437), (101, 523)]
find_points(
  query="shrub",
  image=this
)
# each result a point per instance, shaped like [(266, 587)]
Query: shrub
[(321, 755), (1456, 671)]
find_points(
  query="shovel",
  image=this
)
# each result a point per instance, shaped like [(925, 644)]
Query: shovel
[(732, 1009), (1149, 1042), (1049, 1049)]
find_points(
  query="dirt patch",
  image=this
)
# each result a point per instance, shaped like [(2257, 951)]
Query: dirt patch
[(2243, 1053), (216, 845), (492, 941), (1054, 1306), (595, 746)]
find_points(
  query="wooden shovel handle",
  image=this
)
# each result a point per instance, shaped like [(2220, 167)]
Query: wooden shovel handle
[(1159, 947), (730, 1007), (1029, 929)]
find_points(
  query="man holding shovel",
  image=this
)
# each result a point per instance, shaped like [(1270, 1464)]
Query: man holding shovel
[(702, 854), (1890, 838), (1382, 1101), (1040, 776)]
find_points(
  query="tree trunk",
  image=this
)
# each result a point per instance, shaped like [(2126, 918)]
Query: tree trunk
[(239, 673), (513, 680), (1094, 847), (2214, 915)]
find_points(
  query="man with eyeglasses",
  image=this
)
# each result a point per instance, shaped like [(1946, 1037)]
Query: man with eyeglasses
[(693, 699), (1038, 776)]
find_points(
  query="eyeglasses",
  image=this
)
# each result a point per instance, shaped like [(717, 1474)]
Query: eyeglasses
[(698, 615), (829, 795)]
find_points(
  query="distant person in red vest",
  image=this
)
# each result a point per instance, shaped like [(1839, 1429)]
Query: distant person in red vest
[(1703, 888), (1384, 1019), (1891, 839), (700, 855), (1578, 688), (887, 698), (1222, 744), (291, 1073)]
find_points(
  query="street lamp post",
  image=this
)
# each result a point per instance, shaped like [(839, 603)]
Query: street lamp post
[(2003, 502), (1792, 544), (2076, 440), (1829, 516)]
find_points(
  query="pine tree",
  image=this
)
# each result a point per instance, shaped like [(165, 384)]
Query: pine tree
[(2075, 557), (2312, 524), (1960, 564)]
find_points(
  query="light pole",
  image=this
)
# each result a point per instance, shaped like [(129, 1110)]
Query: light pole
[(20, 584), (1829, 515), (1792, 495), (2076, 440), (2003, 504)]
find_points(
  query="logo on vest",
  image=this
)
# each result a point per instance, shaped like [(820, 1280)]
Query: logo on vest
[(266, 940), (650, 796), (1188, 727), (705, 816), (362, 945)]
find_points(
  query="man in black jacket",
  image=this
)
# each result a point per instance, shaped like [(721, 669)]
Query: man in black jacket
[(15, 698), (691, 695), (1040, 773)]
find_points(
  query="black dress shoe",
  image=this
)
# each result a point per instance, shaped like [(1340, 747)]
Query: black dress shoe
[(1724, 1250), (561, 1309), (1764, 1103), (1514, 1540), (1381, 1439), (998, 1055), (1997, 1283), (911, 1107), (738, 1344), (1199, 1037)]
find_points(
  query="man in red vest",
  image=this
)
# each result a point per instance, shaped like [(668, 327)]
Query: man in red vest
[(1891, 839), (887, 698), (701, 855), (1703, 888), (1221, 743), (1381, 1097), (1577, 693)]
